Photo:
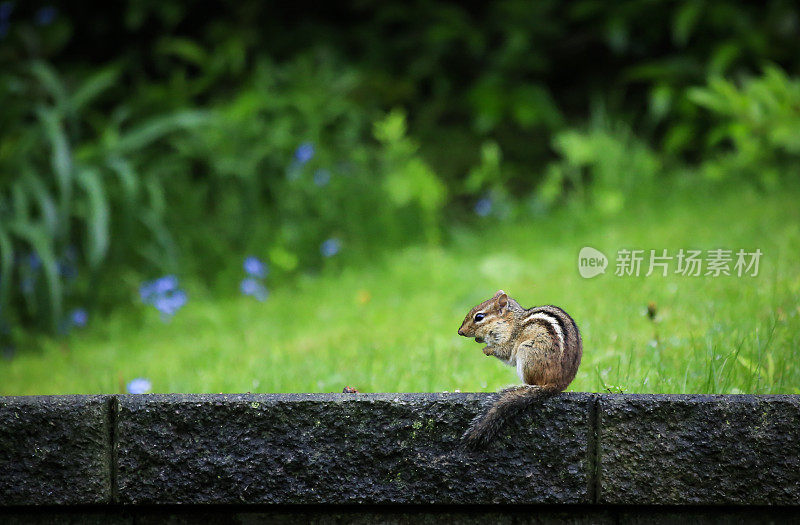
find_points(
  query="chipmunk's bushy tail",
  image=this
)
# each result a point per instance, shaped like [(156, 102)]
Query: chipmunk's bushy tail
[(512, 402)]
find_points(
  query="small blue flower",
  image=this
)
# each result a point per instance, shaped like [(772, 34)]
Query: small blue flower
[(45, 15), (304, 152), (169, 304), (255, 267), (164, 305), (140, 385), (79, 317), (6, 8), (330, 247), (251, 286), (179, 299), (483, 207), (322, 177), (164, 295), (165, 284)]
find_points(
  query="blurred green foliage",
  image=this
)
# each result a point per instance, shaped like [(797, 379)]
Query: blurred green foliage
[(178, 137), (604, 167), (756, 133), (69, 190)]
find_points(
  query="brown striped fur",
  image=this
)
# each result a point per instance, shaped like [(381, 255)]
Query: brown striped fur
[(543, 344)]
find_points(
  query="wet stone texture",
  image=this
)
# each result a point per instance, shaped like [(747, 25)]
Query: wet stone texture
[(54, 450), (699, 449), (346, 448)]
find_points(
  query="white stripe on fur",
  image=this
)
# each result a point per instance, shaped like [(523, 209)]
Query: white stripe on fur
[(550, 318)]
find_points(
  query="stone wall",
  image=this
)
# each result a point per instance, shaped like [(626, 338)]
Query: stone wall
[(578, 453)]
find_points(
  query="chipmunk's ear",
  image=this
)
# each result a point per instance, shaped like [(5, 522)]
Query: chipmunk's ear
[(502, 300)]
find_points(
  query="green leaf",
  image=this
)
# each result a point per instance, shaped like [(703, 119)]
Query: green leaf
[(708, 99), (770, 369), (660, 101), (49, 79), (93, 87), (162, 254), (488, 99), (97, 216), (532, 105), (127, 178), (392, 128), (552, 187), (61, 158), (723, 57), (47, 206), (749, 365), (157, 200), (488, 171), (6, 269), (37, 238), (20, 202), (183, 48), (157, 127), (685, 21), (678, 137)]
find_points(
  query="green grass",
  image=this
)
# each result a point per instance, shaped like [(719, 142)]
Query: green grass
[(389, 324)]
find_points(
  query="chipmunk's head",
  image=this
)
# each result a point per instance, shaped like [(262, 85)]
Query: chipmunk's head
[(490, 322)]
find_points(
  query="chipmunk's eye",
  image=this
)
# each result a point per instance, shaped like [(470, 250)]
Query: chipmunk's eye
[(479, 318)]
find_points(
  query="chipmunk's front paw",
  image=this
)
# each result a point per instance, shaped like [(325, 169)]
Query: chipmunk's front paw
[(488, 350)]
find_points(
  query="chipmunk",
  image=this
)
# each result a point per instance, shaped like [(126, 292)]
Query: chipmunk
[(542, 342)]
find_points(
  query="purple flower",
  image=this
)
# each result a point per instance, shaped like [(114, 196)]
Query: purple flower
[(253, 287), (164, 295), (255, 267), (140, 385), (483, 207), (169, 304), (165, 284), (322, 177), (304, 152), (164, 305), (330, 247), (79, 317), (45, 15)]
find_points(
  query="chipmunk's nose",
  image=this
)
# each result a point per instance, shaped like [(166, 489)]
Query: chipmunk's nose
[(462, 332)]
